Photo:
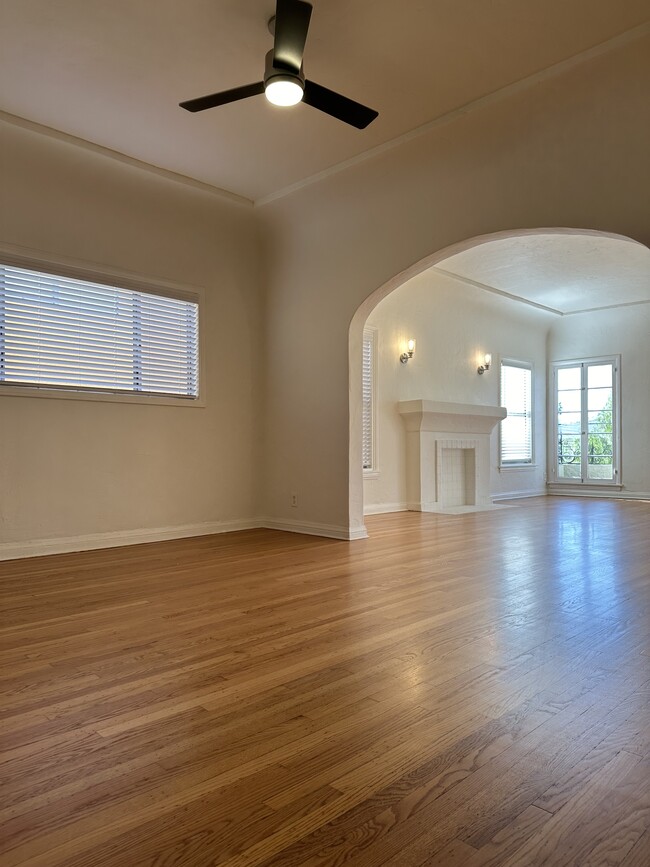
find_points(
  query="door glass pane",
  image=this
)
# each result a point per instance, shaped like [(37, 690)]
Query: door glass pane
[(600, 422), (568, 423), (568, 456), (569, 408), (569, 401), (568, 377), (602, 472), (599, 376), (599, 457), (600, 448), (599, 398)]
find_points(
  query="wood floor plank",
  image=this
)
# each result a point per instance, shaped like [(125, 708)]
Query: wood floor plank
[(453, 690), (571, 830), (510, 839), (454, 854), (639, 855)]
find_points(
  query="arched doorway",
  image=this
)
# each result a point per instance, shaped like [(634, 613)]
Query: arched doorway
[(584, 239)]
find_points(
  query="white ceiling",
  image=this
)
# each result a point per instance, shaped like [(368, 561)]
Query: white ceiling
[(112, 73), (566, 273)]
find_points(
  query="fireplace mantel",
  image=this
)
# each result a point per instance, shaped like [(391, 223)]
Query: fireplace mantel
[(438, 415), (448, 454)]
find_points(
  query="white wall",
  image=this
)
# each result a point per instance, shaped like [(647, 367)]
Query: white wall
[(571, 151), (626, 332), (454, 325), (79, 468)]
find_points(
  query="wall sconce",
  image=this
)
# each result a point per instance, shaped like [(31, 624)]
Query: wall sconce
[(410, 349), (487, 361)]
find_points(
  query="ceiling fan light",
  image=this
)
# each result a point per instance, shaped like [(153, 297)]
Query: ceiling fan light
[(283, 90)]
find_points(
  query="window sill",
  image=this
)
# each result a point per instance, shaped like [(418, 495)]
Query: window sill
[(581, 486), (516, 468), (102, 396)]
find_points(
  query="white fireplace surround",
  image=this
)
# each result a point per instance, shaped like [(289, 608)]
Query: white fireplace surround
[(448, 454)]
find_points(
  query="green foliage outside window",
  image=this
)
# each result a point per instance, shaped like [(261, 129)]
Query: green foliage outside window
[(599, 440)]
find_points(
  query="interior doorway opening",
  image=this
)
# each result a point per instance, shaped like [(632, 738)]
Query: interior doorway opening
[(495, 297)]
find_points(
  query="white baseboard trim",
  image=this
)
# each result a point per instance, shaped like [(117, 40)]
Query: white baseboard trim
[(330, 531), (519, 495), (359, 533), (608, 495), (92, 541), (382, 508)]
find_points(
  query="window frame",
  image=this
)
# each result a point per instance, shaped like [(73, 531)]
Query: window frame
[(518, 464), (585, 363), (370, 334), (79, 270)]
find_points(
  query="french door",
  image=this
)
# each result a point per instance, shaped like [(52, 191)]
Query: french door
[(586, 422)]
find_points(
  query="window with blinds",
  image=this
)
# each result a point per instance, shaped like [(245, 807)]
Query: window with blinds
[(58, 332), (368, 401), (516, 440)]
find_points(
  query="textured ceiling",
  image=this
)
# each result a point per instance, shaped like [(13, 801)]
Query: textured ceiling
[(564, 272), (113, 73)]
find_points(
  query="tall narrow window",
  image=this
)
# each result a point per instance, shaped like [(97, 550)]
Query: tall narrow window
[(59, 332), (368, 400), (516, 440), (586, 421)]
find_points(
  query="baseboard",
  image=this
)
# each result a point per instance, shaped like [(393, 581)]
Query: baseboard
[(519, 495), (608, 495), (330, 531), (92, 541), (382, 508)]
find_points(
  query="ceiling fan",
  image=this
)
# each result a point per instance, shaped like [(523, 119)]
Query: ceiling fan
[(284, 81)]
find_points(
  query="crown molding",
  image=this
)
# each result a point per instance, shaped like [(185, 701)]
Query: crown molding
[(118, 156), (495, 291), (606, 307), (496, 96), (529, 303)]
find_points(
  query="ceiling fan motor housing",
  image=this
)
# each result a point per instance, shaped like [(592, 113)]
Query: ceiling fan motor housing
[(277, 73)]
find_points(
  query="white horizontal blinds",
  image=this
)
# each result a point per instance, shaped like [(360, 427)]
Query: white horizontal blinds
[(517, 427), (167, 345), (367, 400), (67, 333)]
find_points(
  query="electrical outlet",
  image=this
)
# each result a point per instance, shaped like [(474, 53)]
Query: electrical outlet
[(294, 500)]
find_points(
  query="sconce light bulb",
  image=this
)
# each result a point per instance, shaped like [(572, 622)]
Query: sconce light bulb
[(487, 361), (411, 345)]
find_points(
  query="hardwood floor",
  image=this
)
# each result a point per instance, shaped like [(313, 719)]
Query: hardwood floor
[(455, 690)]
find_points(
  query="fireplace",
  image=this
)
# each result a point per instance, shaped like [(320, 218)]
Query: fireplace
[(448, 454)]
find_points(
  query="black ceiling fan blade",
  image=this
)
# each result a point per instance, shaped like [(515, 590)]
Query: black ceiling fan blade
[(338, 106), (291, 26), (214, 99)]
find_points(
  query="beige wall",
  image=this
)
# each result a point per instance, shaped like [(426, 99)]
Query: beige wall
[(77, 468), (571, 151), (454, 325), (626, 332)]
